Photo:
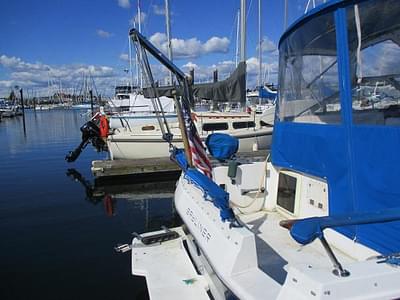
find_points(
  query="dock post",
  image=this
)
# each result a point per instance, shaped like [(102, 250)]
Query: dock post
[(23, 109), (91, 101)]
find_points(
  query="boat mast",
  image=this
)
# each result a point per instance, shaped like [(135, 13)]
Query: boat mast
[(259, 51), (139, 13), (130, 63), (237, 38), (168, 36), (243, 30), (286, 15), (136, 61), (243, 39)]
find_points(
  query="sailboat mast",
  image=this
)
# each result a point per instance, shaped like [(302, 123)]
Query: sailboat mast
[(237, 38), (286, 15), (243, 30), (243, 42), (259, 45), (136, 61), (168, 36), (130, 63), (140, 31)]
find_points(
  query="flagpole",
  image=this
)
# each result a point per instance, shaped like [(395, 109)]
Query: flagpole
[(183, 132)]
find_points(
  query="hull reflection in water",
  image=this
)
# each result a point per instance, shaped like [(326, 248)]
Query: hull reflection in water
[(140, 194)]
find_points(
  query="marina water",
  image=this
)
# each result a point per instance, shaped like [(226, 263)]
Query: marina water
[(58, 236)]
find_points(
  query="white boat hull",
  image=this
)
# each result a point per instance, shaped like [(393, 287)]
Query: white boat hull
[(138, 147), (130, 120)]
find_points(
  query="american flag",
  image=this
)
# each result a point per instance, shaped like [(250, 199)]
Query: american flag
[(198, 151)]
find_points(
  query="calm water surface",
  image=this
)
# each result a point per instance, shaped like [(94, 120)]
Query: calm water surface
[(57, 236)]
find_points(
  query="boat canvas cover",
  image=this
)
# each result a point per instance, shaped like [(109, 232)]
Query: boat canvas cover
[(266, 93), (211, 191), (222, 146), (361, 163), (232, 89)]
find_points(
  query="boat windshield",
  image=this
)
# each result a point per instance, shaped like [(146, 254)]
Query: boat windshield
[(374, 46), (309, 80), (309, 85)]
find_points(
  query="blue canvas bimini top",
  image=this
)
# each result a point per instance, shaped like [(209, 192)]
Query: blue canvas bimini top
[(338, 115)]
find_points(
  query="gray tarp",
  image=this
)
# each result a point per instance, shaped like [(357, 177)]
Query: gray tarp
[(232, 89)]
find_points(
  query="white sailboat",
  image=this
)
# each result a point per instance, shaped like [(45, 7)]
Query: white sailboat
[(320, 218), (145, 140), (141, 136), (129, 109)]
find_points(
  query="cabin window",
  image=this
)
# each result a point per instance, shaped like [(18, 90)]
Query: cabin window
[(265, 124), (215, 126), (148, 128), (374, 49), (309, 84), (287, 192), (240, 125)]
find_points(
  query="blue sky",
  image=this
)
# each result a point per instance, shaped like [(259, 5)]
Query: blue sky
[(59, 40)]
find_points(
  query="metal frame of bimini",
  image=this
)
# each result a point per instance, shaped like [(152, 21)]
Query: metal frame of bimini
[(202, 178)]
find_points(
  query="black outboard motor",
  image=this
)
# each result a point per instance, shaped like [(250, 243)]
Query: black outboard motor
[(90, 134)]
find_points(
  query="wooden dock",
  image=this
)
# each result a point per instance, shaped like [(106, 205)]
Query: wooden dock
[(154, 168)]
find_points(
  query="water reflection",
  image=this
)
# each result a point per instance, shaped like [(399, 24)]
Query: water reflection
[(141, 197)]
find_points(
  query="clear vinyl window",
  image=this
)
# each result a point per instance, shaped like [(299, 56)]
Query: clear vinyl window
[(309, 85), (374, 49)]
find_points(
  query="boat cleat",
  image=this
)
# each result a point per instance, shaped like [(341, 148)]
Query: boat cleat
[(122, 248)]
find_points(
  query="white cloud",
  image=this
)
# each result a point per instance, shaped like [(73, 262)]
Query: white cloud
[(158, 10), (9, 61), (124, 57), (17, 64), (124, 3), (103, 34), (205, 73), (267, 45), (5, 84), (37, 75), (190, 48), (135, 19), (190, 65), (216, 44)]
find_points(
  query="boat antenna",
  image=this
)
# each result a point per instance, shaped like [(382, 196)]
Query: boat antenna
[(169, 45)]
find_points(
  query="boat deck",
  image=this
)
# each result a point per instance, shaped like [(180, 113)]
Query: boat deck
[(168, 269), (276, 248)]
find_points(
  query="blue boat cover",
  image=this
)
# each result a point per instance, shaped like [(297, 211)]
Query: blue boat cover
[(210, 189), (222, 146), (360, 162), (307, 230), (266, 94), (362, 170)]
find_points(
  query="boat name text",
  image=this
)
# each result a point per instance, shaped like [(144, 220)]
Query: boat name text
[(202, 229)]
